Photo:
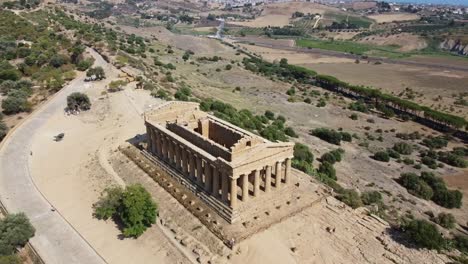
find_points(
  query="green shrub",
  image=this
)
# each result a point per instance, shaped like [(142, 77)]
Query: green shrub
[(446, 220), (354, 116), (381, 156), (289, 131), (83, 65), (461, 243), (416, 186), (351, 198), (424, 234), (435, 142), (403, 148), (453, 160), (133, 207), (97, 72), (359, 106), (269, 114), (327, 169), (408, 161), (345, 136), (328, 135), (15, 103), (78, 101), (393, 154), (15, 232), (9, 259), (371, 197), (332, 156), (429, 162)]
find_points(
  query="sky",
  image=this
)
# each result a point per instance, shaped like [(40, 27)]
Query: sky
[(452, 2)]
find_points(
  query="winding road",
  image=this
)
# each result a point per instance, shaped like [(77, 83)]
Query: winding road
[(55, 240)]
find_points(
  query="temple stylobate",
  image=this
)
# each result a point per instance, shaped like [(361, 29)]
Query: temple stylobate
[(230, 165)]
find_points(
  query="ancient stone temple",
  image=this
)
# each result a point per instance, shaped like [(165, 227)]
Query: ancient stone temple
[(228, 167)]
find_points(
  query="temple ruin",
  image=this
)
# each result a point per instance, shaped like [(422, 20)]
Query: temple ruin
[(228, 167)]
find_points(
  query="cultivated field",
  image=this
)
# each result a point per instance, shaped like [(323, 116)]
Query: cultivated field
[(279, 14), (385, 18), (405, 41)]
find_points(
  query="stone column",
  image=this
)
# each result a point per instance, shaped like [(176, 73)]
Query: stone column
[(278, 174), (215, 189), (170, 155), (245, 187), (199, 171), (149, 140), (177, 156), (287, 172), (268, 178), (159, 144), (163, 147), (191, 165), (184, 162), (224, 186), (233, 197), (256, 189), (154, 148), (207, 176)]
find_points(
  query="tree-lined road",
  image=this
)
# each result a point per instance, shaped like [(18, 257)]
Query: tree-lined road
[(55, 240)]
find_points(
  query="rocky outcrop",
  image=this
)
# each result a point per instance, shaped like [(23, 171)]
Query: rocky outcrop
[(455, 46)]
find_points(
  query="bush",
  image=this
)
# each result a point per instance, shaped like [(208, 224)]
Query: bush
[(133, 207), (428, 186), (351, 198), (359, 106), (435, 142), (78, 101), (289, 131), (302, 153), (83, 65), (328, 135), (429, 162), (424, 234), (270, 115), (461, 243), (393, 154), (446, 220), (345, 136), (403, 148), (453, 159), (15, 231), (354, 116), (381, 156), (327, 169), (416, 186), (3, 130), (371, 197), (332, 156), (15, 104), (97, 72)]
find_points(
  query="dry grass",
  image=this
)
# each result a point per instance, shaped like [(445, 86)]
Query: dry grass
[(406, 41), (385, 18)]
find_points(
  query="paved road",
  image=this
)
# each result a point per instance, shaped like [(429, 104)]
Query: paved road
[(338, 54), (55, 240)]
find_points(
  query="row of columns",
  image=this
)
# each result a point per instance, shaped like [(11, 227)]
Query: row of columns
[(218, 183)]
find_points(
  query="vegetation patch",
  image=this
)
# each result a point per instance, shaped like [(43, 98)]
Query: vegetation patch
[(430, 187), (132, 209)]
